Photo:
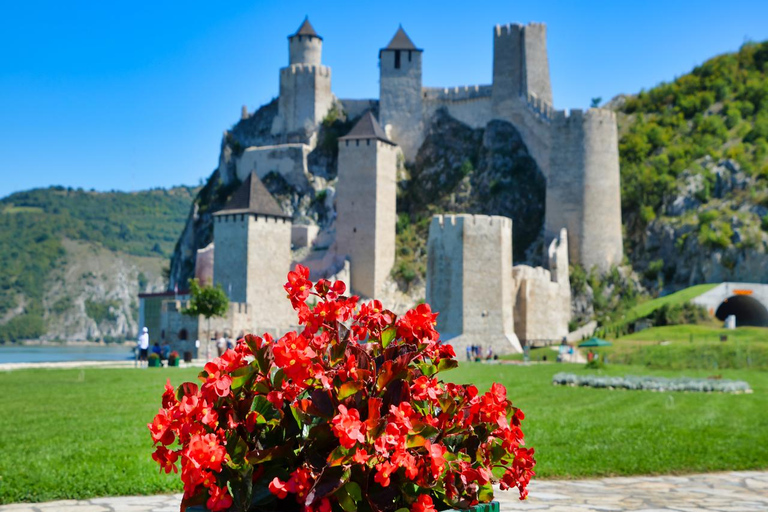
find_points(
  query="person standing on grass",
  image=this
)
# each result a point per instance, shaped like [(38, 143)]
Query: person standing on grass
[(143, 345)]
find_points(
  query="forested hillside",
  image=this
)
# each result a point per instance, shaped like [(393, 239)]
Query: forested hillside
[(43, 232), (694, 172)]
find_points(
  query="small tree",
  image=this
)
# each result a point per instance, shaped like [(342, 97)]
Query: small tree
[(208, 301), (596, 102)]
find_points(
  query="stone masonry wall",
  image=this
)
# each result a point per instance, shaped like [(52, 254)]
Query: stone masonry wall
[(230, 270), (469, 104), (366, 212), (305, 50), (287, 160), (268, 262), (481, 270), (305, 98)]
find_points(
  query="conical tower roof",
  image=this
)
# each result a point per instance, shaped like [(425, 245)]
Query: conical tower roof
[(252, 197), (401, 41), (367, 128), (306, 29)]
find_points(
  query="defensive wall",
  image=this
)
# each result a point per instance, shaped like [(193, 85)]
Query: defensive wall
[(305, 98), (469, 281), (287, 160)]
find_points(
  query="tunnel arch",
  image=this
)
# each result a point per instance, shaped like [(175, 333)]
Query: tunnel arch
[(748, 311)]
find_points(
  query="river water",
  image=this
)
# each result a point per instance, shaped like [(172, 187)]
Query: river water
[(56, 353)]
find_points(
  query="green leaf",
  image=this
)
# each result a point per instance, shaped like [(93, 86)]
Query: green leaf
[(387, 335), (354, 490), (349, 388), (236, 448), (241, 376), (427, 369), (485, 493), (447, 364), (345, 500)]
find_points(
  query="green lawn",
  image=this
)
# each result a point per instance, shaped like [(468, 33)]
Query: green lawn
[(82, 433)]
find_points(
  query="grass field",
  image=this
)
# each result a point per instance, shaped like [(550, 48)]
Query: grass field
[(82, 433)]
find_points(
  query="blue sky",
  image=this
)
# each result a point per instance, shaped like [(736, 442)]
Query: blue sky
[(133, 95)]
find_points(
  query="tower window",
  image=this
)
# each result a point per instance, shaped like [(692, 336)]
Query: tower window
[(397, 59), (409, 55)]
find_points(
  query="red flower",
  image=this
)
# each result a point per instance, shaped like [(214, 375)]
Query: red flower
[(423, 504), (384, 472), (418, 325), (278, 488), (166, 458), (423, 388), (219, 498), (161, 428), (348, 427), (298, 285), (169, 397), (216, 381)]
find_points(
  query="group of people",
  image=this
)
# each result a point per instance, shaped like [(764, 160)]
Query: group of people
[(143, 348), (475, 353)]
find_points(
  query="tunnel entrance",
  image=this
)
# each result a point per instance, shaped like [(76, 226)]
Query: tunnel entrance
[(748, 311)]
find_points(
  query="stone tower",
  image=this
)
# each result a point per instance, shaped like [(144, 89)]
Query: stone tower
[(520, 63), (583, 187), (365, 205), (305, 86), (253, 253), (469, 281), (400, 95)]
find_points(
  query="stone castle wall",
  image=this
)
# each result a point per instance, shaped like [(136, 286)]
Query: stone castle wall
[(287, 160), (230, 270), (469, 104), (366, 198), (471, 256)]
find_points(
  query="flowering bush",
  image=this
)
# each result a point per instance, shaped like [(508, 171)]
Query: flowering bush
[(173, 356), (345, 415)]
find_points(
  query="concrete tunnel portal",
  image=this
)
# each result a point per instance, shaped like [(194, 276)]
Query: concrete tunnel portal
[(748, 311)]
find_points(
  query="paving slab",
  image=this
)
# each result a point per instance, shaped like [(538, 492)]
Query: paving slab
[(738, 491)]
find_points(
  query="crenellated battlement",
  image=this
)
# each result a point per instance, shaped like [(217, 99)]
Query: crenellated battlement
[(506, 30), (577, 115), (543, 109), (460, 93), (309, 69), (459, 221)]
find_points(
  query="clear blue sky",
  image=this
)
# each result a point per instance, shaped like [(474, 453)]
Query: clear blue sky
[(133, 95)]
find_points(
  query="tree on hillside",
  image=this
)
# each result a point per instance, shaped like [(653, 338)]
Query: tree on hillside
[(596, 102), (208, 301)]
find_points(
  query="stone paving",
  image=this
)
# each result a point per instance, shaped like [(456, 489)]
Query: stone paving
[(743, 491)]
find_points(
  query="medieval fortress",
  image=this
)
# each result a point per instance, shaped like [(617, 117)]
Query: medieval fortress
[(482, 298)]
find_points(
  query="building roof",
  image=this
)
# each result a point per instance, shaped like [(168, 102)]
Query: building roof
[(401, 41), (367, 128), (306, 29), (252, 197)]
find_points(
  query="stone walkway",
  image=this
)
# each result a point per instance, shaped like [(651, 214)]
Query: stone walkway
[(743, 491)]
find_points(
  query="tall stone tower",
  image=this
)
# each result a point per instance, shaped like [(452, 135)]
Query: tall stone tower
[(365, 205), (520, 63), (583, 187), (469, 281), (253, 252), (400, 98), (305, 85)]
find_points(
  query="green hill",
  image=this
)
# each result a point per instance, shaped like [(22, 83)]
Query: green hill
[(35, 224), (694, 170)]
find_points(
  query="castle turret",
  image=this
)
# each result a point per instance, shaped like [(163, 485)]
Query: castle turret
[(365, 205), (253, 253), (469, 281), (305, 87), (400, 95), (520, 64), (305, 46)]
